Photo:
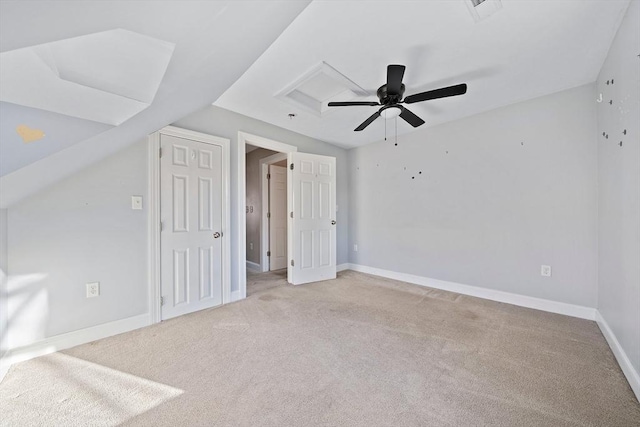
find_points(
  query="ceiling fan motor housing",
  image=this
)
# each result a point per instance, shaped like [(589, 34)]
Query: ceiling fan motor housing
[(387, 98)]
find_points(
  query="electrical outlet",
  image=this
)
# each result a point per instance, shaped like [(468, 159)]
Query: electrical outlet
[(251, 246), (355, 247), (545, 270), (93, 289)]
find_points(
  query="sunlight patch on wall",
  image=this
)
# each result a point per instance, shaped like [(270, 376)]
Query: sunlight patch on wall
[(106, 77)]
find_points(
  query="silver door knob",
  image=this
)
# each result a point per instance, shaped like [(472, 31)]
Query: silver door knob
[(333, 222), (216, 235)]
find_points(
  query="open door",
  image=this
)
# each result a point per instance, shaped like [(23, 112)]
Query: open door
[(312, 208)]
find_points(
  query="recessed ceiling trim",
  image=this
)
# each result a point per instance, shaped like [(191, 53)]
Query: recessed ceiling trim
[(317, 87), (482, 9)]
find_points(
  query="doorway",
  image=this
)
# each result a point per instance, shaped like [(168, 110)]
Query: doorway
[(279, 153), (311, 205), (189, 222)]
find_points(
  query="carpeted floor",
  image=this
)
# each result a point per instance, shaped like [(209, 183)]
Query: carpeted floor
[(356, 351)]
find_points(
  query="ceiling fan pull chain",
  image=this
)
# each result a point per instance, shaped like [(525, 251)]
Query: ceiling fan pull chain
[(396, 122), (385, 130)]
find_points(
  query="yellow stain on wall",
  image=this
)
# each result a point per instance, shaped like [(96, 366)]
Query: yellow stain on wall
[(29, 135)]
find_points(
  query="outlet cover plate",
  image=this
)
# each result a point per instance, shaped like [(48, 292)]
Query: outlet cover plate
[(93, 289), (545, 270)]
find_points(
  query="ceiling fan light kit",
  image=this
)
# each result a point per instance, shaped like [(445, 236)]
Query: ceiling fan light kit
[(390, 96)]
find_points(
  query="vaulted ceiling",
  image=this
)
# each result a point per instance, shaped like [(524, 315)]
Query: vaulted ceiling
[(524, 50), (214, 43), (252, 56)]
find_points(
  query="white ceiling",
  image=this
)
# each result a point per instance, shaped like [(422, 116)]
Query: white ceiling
[(215, 43), (525, 50)]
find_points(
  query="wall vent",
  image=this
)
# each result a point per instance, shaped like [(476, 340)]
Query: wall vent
[(482, 9), (319, 86)]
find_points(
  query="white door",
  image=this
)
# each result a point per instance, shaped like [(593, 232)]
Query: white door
[(277, 217), (191, 191), (312, 210)]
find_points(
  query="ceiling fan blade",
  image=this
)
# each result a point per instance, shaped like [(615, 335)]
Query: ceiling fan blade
[(349, 103), (368, 121), (394, 78), (444, 92), (411, 118)]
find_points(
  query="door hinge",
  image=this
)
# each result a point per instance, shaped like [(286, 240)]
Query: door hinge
[(292, 263), (268, 214), (268, 176), (291, 166), (160, 152), (268, 253), (161, 301), (161, 226), (291, 214)]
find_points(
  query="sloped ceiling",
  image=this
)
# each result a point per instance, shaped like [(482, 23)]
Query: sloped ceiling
[(527, 49), (215, 43)]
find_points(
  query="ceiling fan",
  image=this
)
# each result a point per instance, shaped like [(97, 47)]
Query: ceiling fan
[(390, 96)]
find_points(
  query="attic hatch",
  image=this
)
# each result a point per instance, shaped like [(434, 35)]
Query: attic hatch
[(481, 9), (319, 86)]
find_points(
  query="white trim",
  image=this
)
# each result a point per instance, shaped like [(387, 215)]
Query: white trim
[(72, 339), (621, 356), (264, 221), (253, 266), (343, 267), (155, 284), (235, 296), (153, 219), (490, 294), (241, 189)]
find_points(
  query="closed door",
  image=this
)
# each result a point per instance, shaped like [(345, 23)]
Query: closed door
[(191, 189), (277, 217), (313, 208)]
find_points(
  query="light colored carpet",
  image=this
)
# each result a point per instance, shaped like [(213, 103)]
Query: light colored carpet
[(356, 351)]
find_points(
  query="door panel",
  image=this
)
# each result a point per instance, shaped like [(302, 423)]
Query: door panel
[(313, 203), (191, 208), (278, 217)]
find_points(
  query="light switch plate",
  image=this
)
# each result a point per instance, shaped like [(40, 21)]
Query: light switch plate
[(136, 202)]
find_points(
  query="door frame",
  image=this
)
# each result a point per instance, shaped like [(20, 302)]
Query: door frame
[(245, 138), (153, 214), (264, 220)]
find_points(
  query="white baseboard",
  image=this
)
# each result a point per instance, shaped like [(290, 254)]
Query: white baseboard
[(343, 267), (254, 267), (72, 339), (4, 366), (236, 296), (490, 294), (621, 356)]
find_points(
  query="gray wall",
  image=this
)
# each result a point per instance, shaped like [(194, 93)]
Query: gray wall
[(254, 200), (486, 200), (4, 272), (619, 187), (80, 230), (83, 229), (224, 123)]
